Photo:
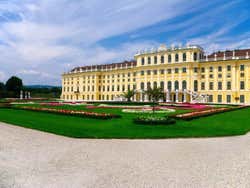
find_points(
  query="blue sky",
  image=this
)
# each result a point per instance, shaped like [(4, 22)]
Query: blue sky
[(40, 39)]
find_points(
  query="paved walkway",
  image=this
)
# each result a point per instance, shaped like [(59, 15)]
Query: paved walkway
[(32, 159)]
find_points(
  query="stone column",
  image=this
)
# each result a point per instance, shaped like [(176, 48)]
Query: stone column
[(185, 96), (176, 96), (141, 95), (26, 95), (21, 94), (29, 95)]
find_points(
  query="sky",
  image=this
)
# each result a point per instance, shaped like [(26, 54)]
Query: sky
[(41, 39)]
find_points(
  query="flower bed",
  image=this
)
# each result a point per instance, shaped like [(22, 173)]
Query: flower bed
[(152, 120), (71, 112), (147, 111), (203, 113)]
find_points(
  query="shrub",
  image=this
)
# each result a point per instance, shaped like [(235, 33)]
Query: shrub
[(153, 120), (5, 105)]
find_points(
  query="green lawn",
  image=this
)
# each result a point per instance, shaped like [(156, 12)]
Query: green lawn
[(226, 124)]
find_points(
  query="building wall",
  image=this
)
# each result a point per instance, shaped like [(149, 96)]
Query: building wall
[(107, 84)]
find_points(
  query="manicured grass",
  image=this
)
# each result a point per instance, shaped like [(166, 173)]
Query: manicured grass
[(226, 124)]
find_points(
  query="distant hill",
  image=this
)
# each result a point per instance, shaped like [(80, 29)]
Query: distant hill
[(41, 86)]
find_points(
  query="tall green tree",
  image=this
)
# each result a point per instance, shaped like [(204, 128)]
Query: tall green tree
[(129, 94), (155, 94), (14, 86), (2, 90)]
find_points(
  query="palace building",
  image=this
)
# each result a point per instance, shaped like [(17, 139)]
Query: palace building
[(185, 74)]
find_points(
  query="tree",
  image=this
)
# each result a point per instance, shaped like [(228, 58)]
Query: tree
[(2, 90), (129, 94), (14, 86), (155, 95)]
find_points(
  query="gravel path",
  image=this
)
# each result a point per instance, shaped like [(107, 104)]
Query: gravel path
[(32, 159)]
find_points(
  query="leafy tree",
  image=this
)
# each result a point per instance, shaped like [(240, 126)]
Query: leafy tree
[(155, 94), (2, 90), (129, 94), (14, 86)]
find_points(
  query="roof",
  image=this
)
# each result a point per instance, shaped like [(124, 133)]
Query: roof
[(229, 53)]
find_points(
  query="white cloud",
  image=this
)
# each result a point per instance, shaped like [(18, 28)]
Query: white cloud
[(2, 76)]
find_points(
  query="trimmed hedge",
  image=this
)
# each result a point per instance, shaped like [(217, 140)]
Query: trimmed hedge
[(5, 105), (122, 103), (151, 120)]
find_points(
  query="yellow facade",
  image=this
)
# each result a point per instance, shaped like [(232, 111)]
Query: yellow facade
[(184, 73)]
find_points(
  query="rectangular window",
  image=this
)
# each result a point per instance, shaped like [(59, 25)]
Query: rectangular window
[(142, 73), (202, 85), (228, 85), (155, 72), (242, 85), (211, 69), (242, 67), (228, 98), (211, 85), (162, 71), (169, 71), (219, 98), (176, 70), (219, 75), (219, 69), (242, 98), (219, 85), (210, 98), (211, 75), (228, 68), (148, 72), (195, 69), (184, 69), (202, 69)]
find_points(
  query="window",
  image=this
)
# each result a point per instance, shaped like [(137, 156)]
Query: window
[(211, 85), (184, 84), (169, 58), (149, 60), (228, 85), (184, 69), (155, 59), (169, 71), (219, 75), (242, 98), (210, 98), (242, 67), (242, 85), (195, 56), (162, 59), (143, 61), (176, 85), (211, 69), (142, 73), (148, 72), (169, 85), (242, 75), (184, 57), (228, 68), (219, 69), (202, 69), (162, 85), (228, 98), (202, 85), (195, 69), (219, 98), (155, 72), (155, 85), (148, 85), (195, 85), (176, 57), (162, 71), (219, 85), (176, 70), (211, 75)]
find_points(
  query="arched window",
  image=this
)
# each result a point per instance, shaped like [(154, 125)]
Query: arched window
[(142, 86), (169, 58), (162, 85), (169, 85), (155, 60), (184, 84), (176, 57), (149, 60), (162, 59), (195, 56), (184, 57), (176, 85), (142, 61), (148, 85), (155, 84)]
